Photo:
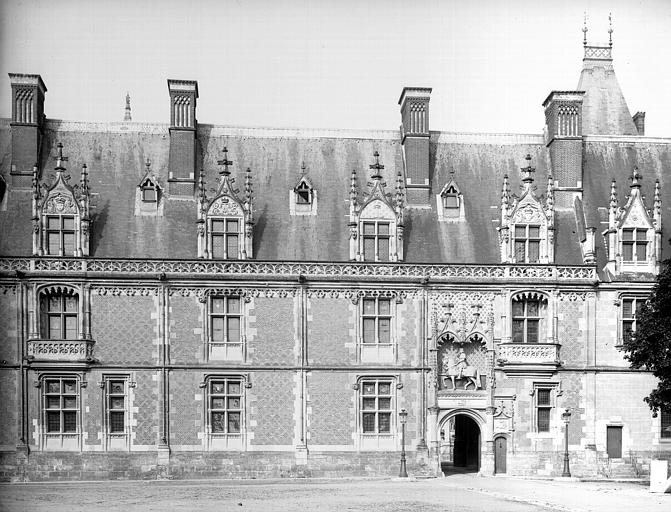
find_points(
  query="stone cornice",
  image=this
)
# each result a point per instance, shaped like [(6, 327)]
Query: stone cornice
[(287, 270)]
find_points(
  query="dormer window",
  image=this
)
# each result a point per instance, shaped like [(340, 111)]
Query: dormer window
[(376, 226), (225, 222), (303, 197), (148, 198), (527, 223), (634, 244), (634, 234), (450, 203), (61, 224)]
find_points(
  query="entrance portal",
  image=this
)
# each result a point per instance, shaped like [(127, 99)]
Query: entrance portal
[(460, 445)]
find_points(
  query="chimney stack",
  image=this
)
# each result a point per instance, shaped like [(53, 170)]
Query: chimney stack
[(182, 158), (414, 102), (563, 126), (26, 126), (639, 122)]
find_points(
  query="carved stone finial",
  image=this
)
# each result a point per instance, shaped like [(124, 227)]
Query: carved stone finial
[(635, 179), (549, 194), (584, 30), (303, 168), (527, 172), (147, 164), (505, 193), (60, 158), (399, 191), (225, 162), (376, 167), (352, 188)]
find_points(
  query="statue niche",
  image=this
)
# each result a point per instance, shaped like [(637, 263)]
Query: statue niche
[(461, 364)]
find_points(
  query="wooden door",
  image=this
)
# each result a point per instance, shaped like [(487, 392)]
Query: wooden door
[(500, 450), (614, 442)]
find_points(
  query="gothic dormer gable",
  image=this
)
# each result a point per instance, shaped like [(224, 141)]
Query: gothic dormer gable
[(225, 222), (527, 222), (376, 224), (450, 202), (61, 213), (149, 194), (303, 196), (634, 231)]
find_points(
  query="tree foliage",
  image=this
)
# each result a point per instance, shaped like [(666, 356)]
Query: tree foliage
[(649, 347)]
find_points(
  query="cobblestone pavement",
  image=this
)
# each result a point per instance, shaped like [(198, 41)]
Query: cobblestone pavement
[(462, 493)]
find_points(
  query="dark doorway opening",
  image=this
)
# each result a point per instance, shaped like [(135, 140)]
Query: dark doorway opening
[(460, 445), (500, 454), (614, 442)]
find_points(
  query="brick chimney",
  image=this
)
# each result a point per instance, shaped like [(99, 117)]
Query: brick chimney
[(414, 102), (639, 121), (563, 128), (26, 126), (182, 161)]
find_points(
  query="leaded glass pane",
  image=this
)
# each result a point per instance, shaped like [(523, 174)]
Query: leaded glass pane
[(234, 388), (219, 422), (68, 243), (384, 419), (53, 402), (384, 306), (116, 421), (543, 396), (218, 402), (54, 327), (532, 331), (384, 388), (627, 308), (520, 251), (70, 303), (369, 388), (369, 249), (544, 420), (368, 422), (627, 234), (218, 246), (116, 387), (233, 304), (234, 402), (666, 424), (518, 331), (383, 228), (54, 243), (368, 404), (641, 253), (53, 386), (70, 327), (534, 251), (68, 223), (53, 422), (384, 404), (69, 386), (383, 249), (369, 330), (368, 228), (369, 306), (117, 402), (70, 402), (533, 308), (218, 225), (231, 225), (534, 232), (628, 251), (233, 329), (53, 223), (233, 422), (217, 328), (518, 308), (385, 327), (520, 231), (232, 246), (69, 421), (217, 387)]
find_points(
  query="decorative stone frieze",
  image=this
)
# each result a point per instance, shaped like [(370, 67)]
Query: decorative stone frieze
[(61, 350)]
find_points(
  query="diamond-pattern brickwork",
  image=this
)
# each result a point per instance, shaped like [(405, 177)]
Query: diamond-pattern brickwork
[(329, 330), (331, 402), (8, 434), (146, 401), (186, 414), (570, 335), (271, 414), (186, 325), (8, 324), (125, 329), (274, 339)]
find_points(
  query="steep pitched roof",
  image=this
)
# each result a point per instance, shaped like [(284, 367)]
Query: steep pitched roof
[(605, 111)]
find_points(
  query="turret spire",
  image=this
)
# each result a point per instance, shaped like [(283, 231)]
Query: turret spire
[(584, 30), (610, 30), (126, 116)]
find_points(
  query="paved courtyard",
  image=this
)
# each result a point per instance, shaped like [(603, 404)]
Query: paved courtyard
[(460, 493)]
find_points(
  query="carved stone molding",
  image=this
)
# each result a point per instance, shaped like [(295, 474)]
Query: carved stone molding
[(61, 350), (246, 293), (7, 289), (355, 295), (311, 270), (129, 291)]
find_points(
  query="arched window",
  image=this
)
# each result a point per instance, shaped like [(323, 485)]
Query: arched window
[(59, 314)]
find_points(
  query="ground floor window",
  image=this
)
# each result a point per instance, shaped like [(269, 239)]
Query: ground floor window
[(665, 424)]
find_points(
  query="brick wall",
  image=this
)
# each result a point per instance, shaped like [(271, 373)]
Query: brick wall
[(8, 332), (145, 432), (8, 393), (186, 412), (571, 332)]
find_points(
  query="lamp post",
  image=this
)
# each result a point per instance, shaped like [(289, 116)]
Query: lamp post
[(566, 418), (403, 417)]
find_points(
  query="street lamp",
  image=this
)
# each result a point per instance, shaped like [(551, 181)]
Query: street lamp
[(566, 418), (403, 417)]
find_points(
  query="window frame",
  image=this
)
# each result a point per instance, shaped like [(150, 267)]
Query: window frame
[(637, 302), (376, 317), (525, 318), (376, 237), (550, 406), (634, 243), (376, 349), (226, 234), (62, 314), (665, 425), (61, 231), (376, 440), (225, 440), (61, 439), (303, 194), (226, 349), (116, 439), (377, 411), (527, 239), (451, 193)]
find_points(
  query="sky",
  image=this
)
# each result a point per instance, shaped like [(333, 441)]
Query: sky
[(332, 64)]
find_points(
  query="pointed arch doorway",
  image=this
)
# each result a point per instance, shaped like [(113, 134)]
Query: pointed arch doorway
[(460, 444)]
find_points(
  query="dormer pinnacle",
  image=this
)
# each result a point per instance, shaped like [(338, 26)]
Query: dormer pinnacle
[(610, 30), (635, 180), (584, 30), (60, 158)]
